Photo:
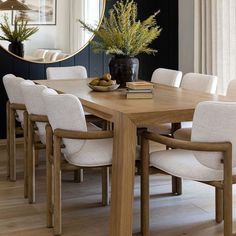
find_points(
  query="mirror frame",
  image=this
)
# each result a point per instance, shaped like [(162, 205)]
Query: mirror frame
[(71, 55)]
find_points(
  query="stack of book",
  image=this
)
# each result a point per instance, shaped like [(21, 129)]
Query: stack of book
[(139, 89)]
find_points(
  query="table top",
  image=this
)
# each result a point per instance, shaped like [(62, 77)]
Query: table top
[(168, 104)]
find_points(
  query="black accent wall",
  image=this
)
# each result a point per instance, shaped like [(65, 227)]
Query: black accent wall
[(97, 64)]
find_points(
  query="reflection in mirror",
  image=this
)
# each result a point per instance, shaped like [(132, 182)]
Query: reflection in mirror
[(61, 37)]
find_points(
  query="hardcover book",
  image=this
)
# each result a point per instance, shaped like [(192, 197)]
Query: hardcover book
[(139, 85)]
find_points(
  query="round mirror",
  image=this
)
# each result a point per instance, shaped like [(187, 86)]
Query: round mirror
[(59, 34)]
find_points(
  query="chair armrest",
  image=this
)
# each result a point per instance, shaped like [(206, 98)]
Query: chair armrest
[(38, 118), (188, 145), (17, 106), (71, 134)]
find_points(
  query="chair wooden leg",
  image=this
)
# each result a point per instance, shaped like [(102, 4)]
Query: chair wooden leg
[(25, 154), (36, 153), (79, 175), (145, 187), (57, 186), (12, 145), (227, 194), (219, 205), (176, 185), (105, 186), (8, 137), (49, 164), (31, 163)]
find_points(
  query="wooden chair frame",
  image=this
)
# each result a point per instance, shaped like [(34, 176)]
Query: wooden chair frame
[(12, 131), (176, 182), (223, 188), (33, 146), (58, 134)]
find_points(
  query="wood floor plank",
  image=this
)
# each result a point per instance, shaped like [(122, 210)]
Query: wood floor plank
[(190, 214)]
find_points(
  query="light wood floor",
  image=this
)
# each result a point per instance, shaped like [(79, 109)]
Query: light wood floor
[(191, 214)]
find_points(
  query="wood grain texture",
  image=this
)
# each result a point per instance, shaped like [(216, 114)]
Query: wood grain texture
[(97, 64), (168, 105)]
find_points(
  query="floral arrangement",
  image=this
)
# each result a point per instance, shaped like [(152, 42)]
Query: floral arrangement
[(122, 34), (20, 31)]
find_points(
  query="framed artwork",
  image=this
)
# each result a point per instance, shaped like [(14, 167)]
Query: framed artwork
[(43, 12)]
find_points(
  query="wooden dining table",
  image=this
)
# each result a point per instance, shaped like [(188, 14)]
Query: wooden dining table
[(168, 104)]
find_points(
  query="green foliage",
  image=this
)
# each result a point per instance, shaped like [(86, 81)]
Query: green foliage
[(122, 34), (19, 33)]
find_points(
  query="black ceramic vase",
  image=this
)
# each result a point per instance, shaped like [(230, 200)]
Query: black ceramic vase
[(124, 69), (17, 48)]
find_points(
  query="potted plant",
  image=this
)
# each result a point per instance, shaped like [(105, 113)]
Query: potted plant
[(124, 37), (16, 35)]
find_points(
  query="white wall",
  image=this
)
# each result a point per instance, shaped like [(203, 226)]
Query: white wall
[(186, 36)]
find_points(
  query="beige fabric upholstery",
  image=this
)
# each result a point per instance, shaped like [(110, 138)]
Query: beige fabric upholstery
[(167, 77), (207, 127), (77, 152), (199, 82), (231, 90), (40, 53), (13, 90), (34, 104), (70, 72), (61, 56), (50, 56), (183, 134)]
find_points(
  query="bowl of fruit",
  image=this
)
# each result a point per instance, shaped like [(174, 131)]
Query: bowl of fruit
[(103, 84)]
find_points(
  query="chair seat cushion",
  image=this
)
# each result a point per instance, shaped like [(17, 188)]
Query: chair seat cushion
[(88, 157), (93, 153), (183, 134), (188, 166)]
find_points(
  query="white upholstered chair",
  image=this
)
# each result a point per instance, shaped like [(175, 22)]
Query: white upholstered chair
[(15, 111), (209, 158), (171, 78), (196, 82), (37, 117), (72, 72), (82, 148), (36, 140), (67, 72), (199, 82), (167, 77)]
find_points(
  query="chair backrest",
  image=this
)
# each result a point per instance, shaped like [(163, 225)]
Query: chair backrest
[(65, 111), (13, 89), (50, 56), (231, 90), (34, 104), (199, 82), (167, 77), (69, 72), (214, 122), (61, 56)]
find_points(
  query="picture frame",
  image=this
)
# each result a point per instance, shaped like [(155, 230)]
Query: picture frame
[(42, 13)]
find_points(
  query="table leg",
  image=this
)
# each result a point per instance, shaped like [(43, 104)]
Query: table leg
[(123, 169)]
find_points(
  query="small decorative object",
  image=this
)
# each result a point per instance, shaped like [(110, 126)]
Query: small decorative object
[(103, 84), (17, 35), (124, 37)]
